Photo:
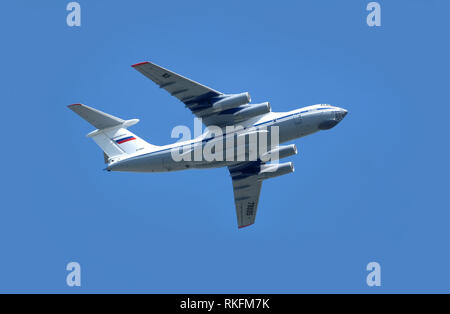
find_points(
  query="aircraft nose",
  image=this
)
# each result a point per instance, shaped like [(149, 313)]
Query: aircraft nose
[(340, 115), (332, 119)]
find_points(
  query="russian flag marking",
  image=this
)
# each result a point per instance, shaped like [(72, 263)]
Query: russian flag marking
[(125, 139)]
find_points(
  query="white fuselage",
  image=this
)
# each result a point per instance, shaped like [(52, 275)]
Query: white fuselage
[(291, 125)]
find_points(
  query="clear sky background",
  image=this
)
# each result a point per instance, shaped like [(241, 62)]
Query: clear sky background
[(375, 188)]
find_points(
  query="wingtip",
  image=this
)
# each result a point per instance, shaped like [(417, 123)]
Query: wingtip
[(240, 227), (72, 105), (140, 63)]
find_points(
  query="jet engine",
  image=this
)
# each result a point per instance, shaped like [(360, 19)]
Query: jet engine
[(261, 171), (252, 111), (275, 170), (231, 101), (279, 152)]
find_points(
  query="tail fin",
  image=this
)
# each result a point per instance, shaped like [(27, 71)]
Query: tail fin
[(112, 135)]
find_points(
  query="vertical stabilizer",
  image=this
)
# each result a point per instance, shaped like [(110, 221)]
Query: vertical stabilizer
[(112, 134)]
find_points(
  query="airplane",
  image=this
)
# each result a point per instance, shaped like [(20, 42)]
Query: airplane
[(125, 151)]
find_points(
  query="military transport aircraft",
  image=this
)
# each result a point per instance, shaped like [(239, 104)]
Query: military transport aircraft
[(232, 117)]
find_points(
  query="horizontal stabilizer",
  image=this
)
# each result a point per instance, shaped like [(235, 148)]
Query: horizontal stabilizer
[(112, 133), (97, 118)]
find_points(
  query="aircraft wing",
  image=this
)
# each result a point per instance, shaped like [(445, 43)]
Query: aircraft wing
[(186, 90), (246, 195), (197, 97)]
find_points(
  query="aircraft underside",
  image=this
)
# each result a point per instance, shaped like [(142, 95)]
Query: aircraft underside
[(251, 151)]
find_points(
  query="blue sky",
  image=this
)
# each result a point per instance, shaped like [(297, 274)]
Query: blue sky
[(372, 189)]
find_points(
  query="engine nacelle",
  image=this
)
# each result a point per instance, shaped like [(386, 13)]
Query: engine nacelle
[(253, 111), (231, 101), (279, 153), (275, 170)]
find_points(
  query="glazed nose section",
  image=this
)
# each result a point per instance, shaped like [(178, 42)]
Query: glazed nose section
[(333, 119), (340, 115)]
